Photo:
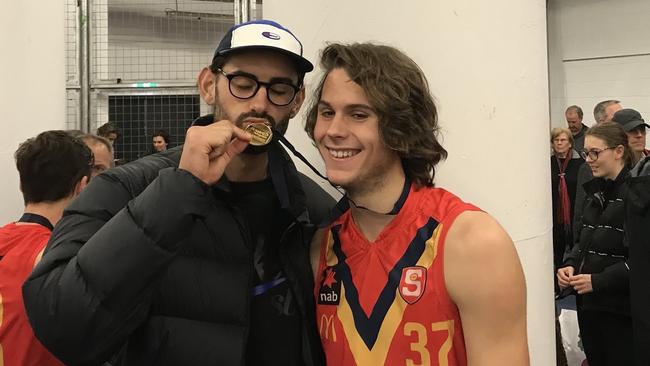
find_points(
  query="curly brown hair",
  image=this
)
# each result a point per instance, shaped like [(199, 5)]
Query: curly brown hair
[(399, 93)]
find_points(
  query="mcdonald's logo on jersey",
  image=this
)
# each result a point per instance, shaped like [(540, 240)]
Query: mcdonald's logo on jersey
[(411, 285)]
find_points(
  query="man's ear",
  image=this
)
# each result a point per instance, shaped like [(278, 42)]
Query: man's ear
[(83, 182), (206, 83)]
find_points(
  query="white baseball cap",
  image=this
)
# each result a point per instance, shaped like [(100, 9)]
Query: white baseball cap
[(263, 34)]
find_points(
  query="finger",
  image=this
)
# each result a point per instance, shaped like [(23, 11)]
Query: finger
[(217, 151), (580, 283), (221, 141), (241, 134), (233, 148)]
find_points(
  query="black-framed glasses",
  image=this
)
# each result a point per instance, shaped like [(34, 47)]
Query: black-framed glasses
[(244, 86), (593, 153)]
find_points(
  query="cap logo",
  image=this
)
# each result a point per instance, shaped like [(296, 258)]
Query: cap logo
[(270, 35)]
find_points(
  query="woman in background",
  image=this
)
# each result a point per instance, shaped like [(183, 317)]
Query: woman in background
[(565, 162), (597, 267)]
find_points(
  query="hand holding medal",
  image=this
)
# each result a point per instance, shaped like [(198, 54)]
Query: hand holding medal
[(209, 149)]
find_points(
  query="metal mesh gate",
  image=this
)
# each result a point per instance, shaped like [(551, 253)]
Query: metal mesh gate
[(143, 59)]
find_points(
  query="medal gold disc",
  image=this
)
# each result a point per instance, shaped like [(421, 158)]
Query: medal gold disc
[(261, 133)]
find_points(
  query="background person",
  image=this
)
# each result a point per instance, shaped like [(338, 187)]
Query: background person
[(573, 115), (103, 153), (109, 132), (160, 141), (635, 127), (638, 234), (53, 167), (565, 162), (603, 112), (597, 267)]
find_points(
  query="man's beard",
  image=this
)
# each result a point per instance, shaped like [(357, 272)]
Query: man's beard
[(278, 127)]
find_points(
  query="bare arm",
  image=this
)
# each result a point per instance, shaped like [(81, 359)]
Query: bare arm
[(485, 279)]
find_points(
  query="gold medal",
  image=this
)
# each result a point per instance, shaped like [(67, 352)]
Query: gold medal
[(261, 133)]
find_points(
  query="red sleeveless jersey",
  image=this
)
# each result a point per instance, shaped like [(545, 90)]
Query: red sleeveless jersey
[(385, 302), (19, 248)]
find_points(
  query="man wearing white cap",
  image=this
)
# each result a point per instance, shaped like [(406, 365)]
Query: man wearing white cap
[(197, 255)]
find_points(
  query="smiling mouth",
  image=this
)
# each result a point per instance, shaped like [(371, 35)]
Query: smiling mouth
[(343, 153)]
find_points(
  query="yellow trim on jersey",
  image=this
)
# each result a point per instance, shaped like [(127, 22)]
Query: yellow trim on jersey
[(330, 256), (430, 249), (377, 355)]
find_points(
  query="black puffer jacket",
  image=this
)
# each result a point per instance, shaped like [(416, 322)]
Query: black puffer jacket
[(151, 261), (602, 250), (638, 230)]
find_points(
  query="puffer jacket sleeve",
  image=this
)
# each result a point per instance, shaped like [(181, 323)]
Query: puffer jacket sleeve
[(93, 287), (615, 278)]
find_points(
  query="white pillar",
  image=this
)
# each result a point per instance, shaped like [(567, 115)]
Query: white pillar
[(486, 64), (32, 85)]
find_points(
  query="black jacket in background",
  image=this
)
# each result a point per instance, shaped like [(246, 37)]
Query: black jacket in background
[(150, 258), (638, 232), (602, 250)]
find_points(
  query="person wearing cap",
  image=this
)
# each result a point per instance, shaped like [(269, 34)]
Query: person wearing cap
[(635, 127), (198, 255), (637, 216), (406, 273), (636, 221)]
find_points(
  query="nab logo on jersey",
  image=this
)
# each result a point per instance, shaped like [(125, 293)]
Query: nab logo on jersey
[(330, 288), (411, 285)]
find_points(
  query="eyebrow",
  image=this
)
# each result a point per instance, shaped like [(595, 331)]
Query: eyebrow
[(324, 103), (276, 79)]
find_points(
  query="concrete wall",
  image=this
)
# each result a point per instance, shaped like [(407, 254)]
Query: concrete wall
[(32, 85), (489, 77), (598, 50)]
